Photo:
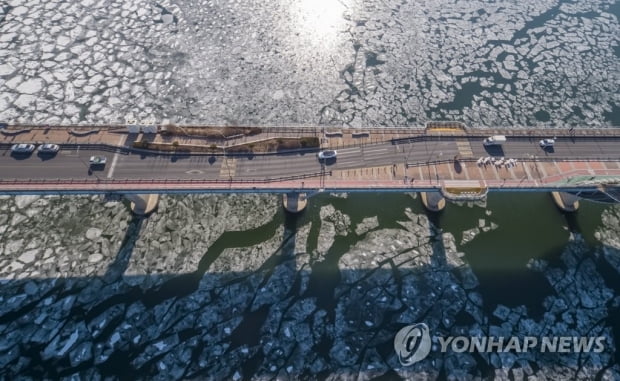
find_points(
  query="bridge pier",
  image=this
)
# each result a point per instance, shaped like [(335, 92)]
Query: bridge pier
[(566, 201), (294, 202), (143, 204), (433, 201)]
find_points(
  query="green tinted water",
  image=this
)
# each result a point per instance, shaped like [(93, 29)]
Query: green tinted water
[(530, 226)]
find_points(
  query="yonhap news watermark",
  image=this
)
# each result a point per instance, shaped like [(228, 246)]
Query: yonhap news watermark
[(413, 343)]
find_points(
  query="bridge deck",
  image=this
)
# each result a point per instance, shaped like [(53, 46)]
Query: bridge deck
[(416, 162)]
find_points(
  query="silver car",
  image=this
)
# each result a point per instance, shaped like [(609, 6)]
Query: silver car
[(97, 160), (22, 148), (48, 148), (546, 143), (327, 154)]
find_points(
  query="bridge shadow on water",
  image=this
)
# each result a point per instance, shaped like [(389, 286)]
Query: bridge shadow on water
[(295, 314)]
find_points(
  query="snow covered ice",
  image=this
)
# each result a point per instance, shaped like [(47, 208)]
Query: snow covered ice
[(357, 63)]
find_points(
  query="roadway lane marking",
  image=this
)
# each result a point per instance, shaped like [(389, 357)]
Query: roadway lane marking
[(527, 172), (378, 155), (70, 153), (464, 148), (346, 150), (115, 159), (356, 163), (228, 168), (374, 150)]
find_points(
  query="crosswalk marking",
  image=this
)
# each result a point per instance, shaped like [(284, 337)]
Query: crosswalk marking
[(464, 148), (229, 165)]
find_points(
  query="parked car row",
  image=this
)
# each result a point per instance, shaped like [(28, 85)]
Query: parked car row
[(29, 148), (49, 148)]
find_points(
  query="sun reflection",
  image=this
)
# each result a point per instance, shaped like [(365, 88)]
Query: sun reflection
[(319, 20)]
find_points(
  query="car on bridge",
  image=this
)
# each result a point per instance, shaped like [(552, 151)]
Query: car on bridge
[(22, 148), (495, 140), (546, 143), (328, 154), (48, 148), (97, 161)]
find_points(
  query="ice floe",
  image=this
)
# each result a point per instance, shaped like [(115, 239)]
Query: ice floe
[(380, 65)]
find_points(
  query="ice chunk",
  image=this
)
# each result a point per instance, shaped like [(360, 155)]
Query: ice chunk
[(29, 256), (23, 201), (167, 18), (367, 224), (94, 258), (24, 101), (72, 339), (115, 338), (31, 86), (93, 233), (6, 69), (19, 10)]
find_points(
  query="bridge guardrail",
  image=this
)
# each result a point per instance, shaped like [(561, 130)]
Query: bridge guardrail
[(480, 136), (100, 181), (126, 150), (521, 159), (96, 146)]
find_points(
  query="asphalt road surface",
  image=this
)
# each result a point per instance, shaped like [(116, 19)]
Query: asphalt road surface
[(73, 163)]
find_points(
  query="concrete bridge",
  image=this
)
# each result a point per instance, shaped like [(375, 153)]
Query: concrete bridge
[(442, 161)]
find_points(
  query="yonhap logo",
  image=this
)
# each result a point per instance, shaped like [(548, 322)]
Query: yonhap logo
[(412, 343)]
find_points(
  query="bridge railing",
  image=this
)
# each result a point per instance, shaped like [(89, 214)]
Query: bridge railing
[(520, 159), (106, 181), (411, 136)]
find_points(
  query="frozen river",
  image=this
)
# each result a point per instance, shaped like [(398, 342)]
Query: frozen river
[(282, 62), (231, 287)]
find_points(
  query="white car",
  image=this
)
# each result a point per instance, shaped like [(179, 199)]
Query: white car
[(546, 143), (97, 160), (22, 148), (327, 154), (495, 140), (49, 148)]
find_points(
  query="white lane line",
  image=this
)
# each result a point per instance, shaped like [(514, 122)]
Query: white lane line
[(375, 150), (345, 150), (375, 155), (115, 159), (343, 162)]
